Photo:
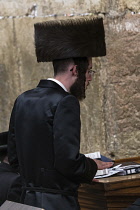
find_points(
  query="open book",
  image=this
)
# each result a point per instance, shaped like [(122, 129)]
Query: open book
[(120, 169)]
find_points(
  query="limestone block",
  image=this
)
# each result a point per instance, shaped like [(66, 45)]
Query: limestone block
[(59, 7), (132, 5), (19, 70), (121, 97), (111, 112), (7, 71), (93, 130)]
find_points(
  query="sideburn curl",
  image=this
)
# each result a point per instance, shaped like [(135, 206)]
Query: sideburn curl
[(78, 88)]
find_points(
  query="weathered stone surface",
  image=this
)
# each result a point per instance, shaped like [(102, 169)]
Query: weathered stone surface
[(121, 95), (59, 7), (19, 70), (114, 106), (110, 113)]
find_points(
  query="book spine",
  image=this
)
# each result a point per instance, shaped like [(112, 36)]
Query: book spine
[(132, 170)]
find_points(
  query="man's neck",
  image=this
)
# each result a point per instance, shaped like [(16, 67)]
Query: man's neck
[(59, 83), (65, 81)]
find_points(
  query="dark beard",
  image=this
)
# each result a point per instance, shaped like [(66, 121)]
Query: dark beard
[(78, 88)]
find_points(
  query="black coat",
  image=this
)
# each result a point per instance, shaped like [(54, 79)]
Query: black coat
[(44, 142), (3, 144), (3, 138), (10, 184)]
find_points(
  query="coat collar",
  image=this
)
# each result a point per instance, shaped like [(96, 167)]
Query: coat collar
[(49, 84)]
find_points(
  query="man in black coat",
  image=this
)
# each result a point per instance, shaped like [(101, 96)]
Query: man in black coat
[(44, 132), (10, 182)]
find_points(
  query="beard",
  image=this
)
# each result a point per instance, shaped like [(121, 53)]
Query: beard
[(78, 88)]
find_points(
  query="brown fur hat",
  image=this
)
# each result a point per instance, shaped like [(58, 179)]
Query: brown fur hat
[(69, 38)]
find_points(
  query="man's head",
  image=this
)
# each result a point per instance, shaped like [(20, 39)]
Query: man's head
[(61, 66), (70, 44), (74, 73)]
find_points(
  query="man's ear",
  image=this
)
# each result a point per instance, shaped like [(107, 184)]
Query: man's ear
[(74, 70)]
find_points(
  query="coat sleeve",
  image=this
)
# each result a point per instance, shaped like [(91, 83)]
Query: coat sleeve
[(68, 160), (12, 153)]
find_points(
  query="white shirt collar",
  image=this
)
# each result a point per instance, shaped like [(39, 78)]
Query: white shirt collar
[(58, 82)]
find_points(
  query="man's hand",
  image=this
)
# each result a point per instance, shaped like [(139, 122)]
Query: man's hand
[(95, 180), (102, 165)]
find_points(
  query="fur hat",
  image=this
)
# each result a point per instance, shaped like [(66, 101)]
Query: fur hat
[(69, 38)]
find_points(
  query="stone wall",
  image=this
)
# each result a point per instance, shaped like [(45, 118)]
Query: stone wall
[(110, 113)]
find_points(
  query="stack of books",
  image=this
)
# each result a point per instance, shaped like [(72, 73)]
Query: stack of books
[(121, 169)]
